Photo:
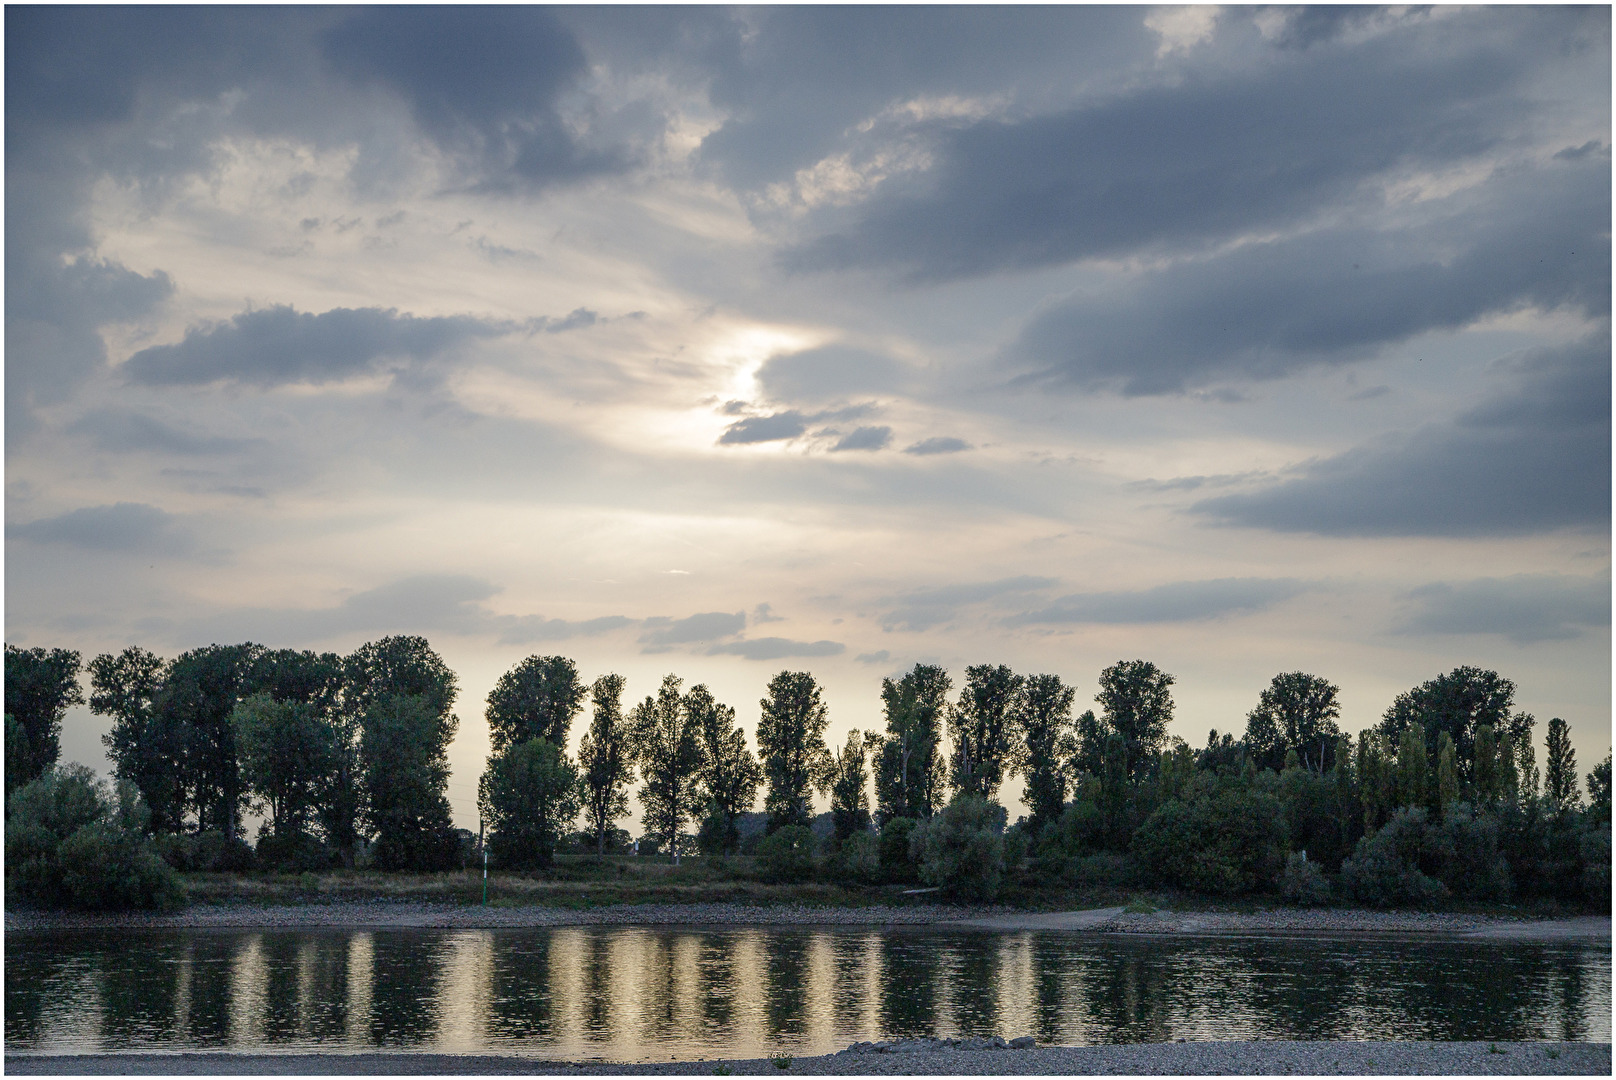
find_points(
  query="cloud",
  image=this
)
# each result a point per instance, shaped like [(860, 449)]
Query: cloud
[(125, 526), (1532, 457), (1250, 147), (925, 608), (938, 444), (1536, 239), (576, 319), (660, 633), (756, 429), (524, 629), (865, 438), (1182, 601), (127, 431), (278, 345), (1525, 608), (774, 648), (880, 656), (827, 373)]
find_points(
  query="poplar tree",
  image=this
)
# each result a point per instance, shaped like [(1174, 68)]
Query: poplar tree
[(1044, 741), (1484, 772), (909, 765), (668, 750), (41, 686), (1447, 775), (982, 722), (730, 774), (1413, 768), (1137, 703), (849, 784), (606, 760), (1560, 768), (791, 744)]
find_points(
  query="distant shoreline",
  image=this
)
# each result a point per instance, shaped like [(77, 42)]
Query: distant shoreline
[(384, 915), (1256, 1058)]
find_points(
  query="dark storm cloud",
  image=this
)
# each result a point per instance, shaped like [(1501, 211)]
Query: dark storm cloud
[(125, 526), (1209, 156), (707, 626), (827, 373), (1181, 601), (1525, 608), (279, 345), (481, 81), (1528, 239), (865, 438), (922, 609), (774, 648), (938, 444), (1533, 457), (126, 431)]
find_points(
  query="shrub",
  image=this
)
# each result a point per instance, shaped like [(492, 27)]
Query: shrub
[(207, 852), (295, 852), (1228, 840), (961, 849), (857, 859), (1386, 868), (787, 854), (1080, 829), (1088, 871), (894, 849), (71, 841), (1474, 867), (1596, 862), (717, 834), (1302, 882)]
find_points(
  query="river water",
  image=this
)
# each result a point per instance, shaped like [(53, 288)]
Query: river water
[(654, 994)]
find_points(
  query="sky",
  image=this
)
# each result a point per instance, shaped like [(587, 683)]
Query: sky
[(722, 342)]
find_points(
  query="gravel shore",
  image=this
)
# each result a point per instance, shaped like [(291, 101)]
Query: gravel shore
[(1171, 1059), (364, 914)]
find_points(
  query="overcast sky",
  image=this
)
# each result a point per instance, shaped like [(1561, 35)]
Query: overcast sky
[(718, 342)]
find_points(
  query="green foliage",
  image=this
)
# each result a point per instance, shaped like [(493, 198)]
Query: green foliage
[(1397, 864), (529, 797), (41, 685), (605, 760), (1081, 828), (536, 699), (1297, 713), (1486, 780), (983, 724), (1560, 768), (18, 758), (849, 779), (1310, 805), (787, 854), (73, 842), (961, 848), (909, 766), (1303, 882), (1137, 703), (1595, 852), (791, 744), (1413, 768), (403, 752), (286, 752), (1046, 740), (1447, 775), (856, 860), (201, 689), (730, 775), (667, 745), (1458, 703), (893, 848), (147, 746), (1599, 791), (396, 667), (1228, 839), (1472, 866)]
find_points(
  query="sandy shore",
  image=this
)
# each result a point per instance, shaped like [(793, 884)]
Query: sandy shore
[(1180, 1059), (394, 915)]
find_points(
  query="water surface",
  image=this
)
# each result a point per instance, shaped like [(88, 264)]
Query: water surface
[(646, 994)]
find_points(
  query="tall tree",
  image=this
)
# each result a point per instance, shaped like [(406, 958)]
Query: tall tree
[(849, 783), (1485, 778), (1137, 702), (730, 774), (668, 749), (1046, 741), (1526, 776), (398, 666), (1599, 792), (1114, 791), (1296, 711), (1447, 775), (536, 699), (909, 768), (146, 746), (41, 685), (1089, 757), (791, 744), (606, 760), (982, 723), (1458, 703), (404, 753), (200, 692), (308, 678), (1413, 767), (529, 796), (286, 750), (1560, 768)]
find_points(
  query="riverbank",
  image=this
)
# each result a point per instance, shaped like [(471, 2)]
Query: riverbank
[(1275, 1058), (382, 915)]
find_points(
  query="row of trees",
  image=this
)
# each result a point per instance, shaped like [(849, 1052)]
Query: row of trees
[(344, 753)]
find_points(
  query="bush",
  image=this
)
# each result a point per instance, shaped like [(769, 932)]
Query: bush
[(1227, 841), (787, 854), (894, 850), (1080, 830), (857, 859), (1474, 867), (717, 834), (961, 849), (296, 852), (1089, 871), (73, 842), (1390, 867), (1596, 863), (1302, 882)]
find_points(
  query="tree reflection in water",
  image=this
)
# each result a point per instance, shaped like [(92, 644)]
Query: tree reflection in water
[(642, 993)]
